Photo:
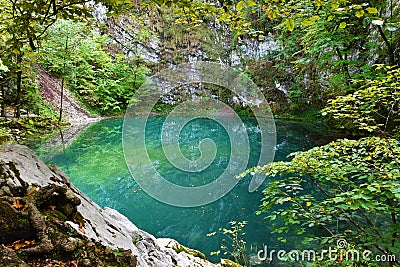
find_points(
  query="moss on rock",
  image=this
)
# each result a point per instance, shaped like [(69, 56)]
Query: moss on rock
[(190, 251), (33, 231), (229, 263)]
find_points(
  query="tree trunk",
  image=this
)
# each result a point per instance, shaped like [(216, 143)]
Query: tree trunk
[(18, 100), (61, 99), (345, 67), (3, 103), (62, 80), (389, 46)]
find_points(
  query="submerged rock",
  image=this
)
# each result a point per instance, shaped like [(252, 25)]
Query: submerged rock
[(45, 220)]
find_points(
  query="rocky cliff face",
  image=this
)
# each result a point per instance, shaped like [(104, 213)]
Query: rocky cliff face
[(153, 38), (45, 220)]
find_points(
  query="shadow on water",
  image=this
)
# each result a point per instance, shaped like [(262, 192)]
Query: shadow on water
[(95, 162), (58, 142)]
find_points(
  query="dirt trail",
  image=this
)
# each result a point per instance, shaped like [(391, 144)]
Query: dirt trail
[(51, 91)]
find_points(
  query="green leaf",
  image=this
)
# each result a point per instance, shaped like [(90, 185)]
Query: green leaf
[(306, 22), (371, 10), (290, 24)]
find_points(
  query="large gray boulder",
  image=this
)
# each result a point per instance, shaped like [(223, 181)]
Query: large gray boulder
[(31, 192)]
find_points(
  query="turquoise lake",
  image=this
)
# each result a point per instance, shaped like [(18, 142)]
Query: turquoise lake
[(96, 165)]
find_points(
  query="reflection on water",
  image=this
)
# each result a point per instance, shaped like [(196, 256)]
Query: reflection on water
[(95, 162)]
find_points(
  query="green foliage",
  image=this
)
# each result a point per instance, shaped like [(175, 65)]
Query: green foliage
[(179, 248), (242, 110), (162, 108), (326, 57), (229, 263), (104, 83), (304, 12), (236, 245), (325, 43), (309, 115), (23, 25), (31, 98), (25, 22), (5, 135), (374, 107), (346, 189), (3, 68), (21, 129)]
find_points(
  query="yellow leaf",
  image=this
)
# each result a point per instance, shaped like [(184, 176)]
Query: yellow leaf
[(32, 190), (372, 10), (239, 6), (251, 3), (313, 18), (306, 22), (290, 24), (211, 234), (21, 244), (330, 18), (308, 203), (359, 13), (342, 25), (335, 6)]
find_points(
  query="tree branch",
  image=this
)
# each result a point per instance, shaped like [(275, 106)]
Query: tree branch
[(388, 46)]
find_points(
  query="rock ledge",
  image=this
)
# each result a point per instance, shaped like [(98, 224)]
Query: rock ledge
[(46, 220)]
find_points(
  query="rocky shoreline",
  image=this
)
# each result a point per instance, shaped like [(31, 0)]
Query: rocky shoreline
[(45, 220)]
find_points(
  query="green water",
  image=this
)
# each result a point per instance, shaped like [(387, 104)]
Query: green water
[(95, 162)]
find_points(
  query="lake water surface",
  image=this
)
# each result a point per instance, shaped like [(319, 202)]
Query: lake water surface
[(96, 165)]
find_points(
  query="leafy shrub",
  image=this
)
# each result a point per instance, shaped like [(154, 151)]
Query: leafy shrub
[(346, 189), (375, 107), (233, 245), (103, 82)]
